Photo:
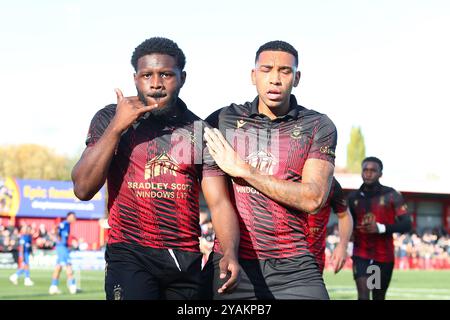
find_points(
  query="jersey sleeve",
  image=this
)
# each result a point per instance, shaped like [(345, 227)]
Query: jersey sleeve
[(99, 123), (399, 204), (324, 140), (338, 202), (210, 167)]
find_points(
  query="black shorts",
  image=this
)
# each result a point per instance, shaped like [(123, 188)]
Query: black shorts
[(287, 278), (135, 272), (361, 269)]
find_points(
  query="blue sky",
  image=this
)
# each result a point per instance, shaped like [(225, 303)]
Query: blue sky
[(382, 65)]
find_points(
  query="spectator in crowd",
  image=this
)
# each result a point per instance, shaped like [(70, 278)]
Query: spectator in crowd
[(82, 245), (207, 236), (11, 226), (42, 238)]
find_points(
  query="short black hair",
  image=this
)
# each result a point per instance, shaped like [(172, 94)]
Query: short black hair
[(278, 45), (374, 159), (159, 45), (69, 213)]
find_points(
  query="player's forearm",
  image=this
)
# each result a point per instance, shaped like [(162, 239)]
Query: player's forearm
[(223, 216), (226, 228), (90, 172), (306, 197), (404, 224), (345, 226)]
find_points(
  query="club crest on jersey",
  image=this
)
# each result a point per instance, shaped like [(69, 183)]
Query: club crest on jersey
[(162, 164), (240, 123), (296, 133), (263, 161)]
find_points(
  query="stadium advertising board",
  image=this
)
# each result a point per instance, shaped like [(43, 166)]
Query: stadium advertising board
[(46, 199)]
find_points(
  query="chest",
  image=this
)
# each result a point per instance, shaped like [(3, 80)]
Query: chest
[(160, 151), (275, 148), (380, 207)]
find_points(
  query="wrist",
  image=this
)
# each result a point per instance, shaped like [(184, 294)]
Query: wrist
[(231, 253), (247, 171), (115, 129), (381, 228), (341, 246)]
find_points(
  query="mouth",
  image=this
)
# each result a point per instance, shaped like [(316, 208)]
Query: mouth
[(274, 94), (157, 96)]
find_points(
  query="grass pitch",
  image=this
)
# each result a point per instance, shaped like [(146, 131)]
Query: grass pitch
[(405, 285)]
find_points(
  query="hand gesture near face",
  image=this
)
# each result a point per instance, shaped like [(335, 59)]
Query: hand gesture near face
[(128, 111)]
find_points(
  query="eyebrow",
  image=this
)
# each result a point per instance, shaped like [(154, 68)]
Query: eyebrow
[(164, 70), (280, 68)]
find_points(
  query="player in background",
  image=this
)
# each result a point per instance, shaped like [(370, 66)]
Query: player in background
[(63, 259), (378, 212), (25, 250), (318, 228)]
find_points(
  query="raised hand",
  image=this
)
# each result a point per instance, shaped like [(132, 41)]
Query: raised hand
[(223, 154), (128, 111)]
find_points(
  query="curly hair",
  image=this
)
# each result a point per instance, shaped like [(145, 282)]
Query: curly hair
[(159, 45), (374, 159), (278, 45)]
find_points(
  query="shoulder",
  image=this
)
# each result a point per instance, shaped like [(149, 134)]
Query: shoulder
[(243, 109), (385, 190), (213, 118), (336, 186), (320, 119), (107, 112), (235, 109), (353, 195), (231, 112), (190, 116)]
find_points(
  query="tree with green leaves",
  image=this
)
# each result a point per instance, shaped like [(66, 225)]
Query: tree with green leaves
[(31, 161), (356, 150)]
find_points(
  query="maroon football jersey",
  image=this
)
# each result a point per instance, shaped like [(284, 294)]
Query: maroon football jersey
[(383, 205), (280, 148), (154, 179)]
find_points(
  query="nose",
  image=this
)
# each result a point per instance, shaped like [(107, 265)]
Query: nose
[(274, 77), (156, 83)]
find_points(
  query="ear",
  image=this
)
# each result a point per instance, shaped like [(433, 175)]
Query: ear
[(135, 79), (254, 77), (183, 78), (297, 78)]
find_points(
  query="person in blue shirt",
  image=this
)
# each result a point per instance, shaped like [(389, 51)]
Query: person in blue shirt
[(25, 250), (63, 258)]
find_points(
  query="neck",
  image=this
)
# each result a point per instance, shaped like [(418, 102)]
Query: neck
[(274, 112), (371, 187)]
